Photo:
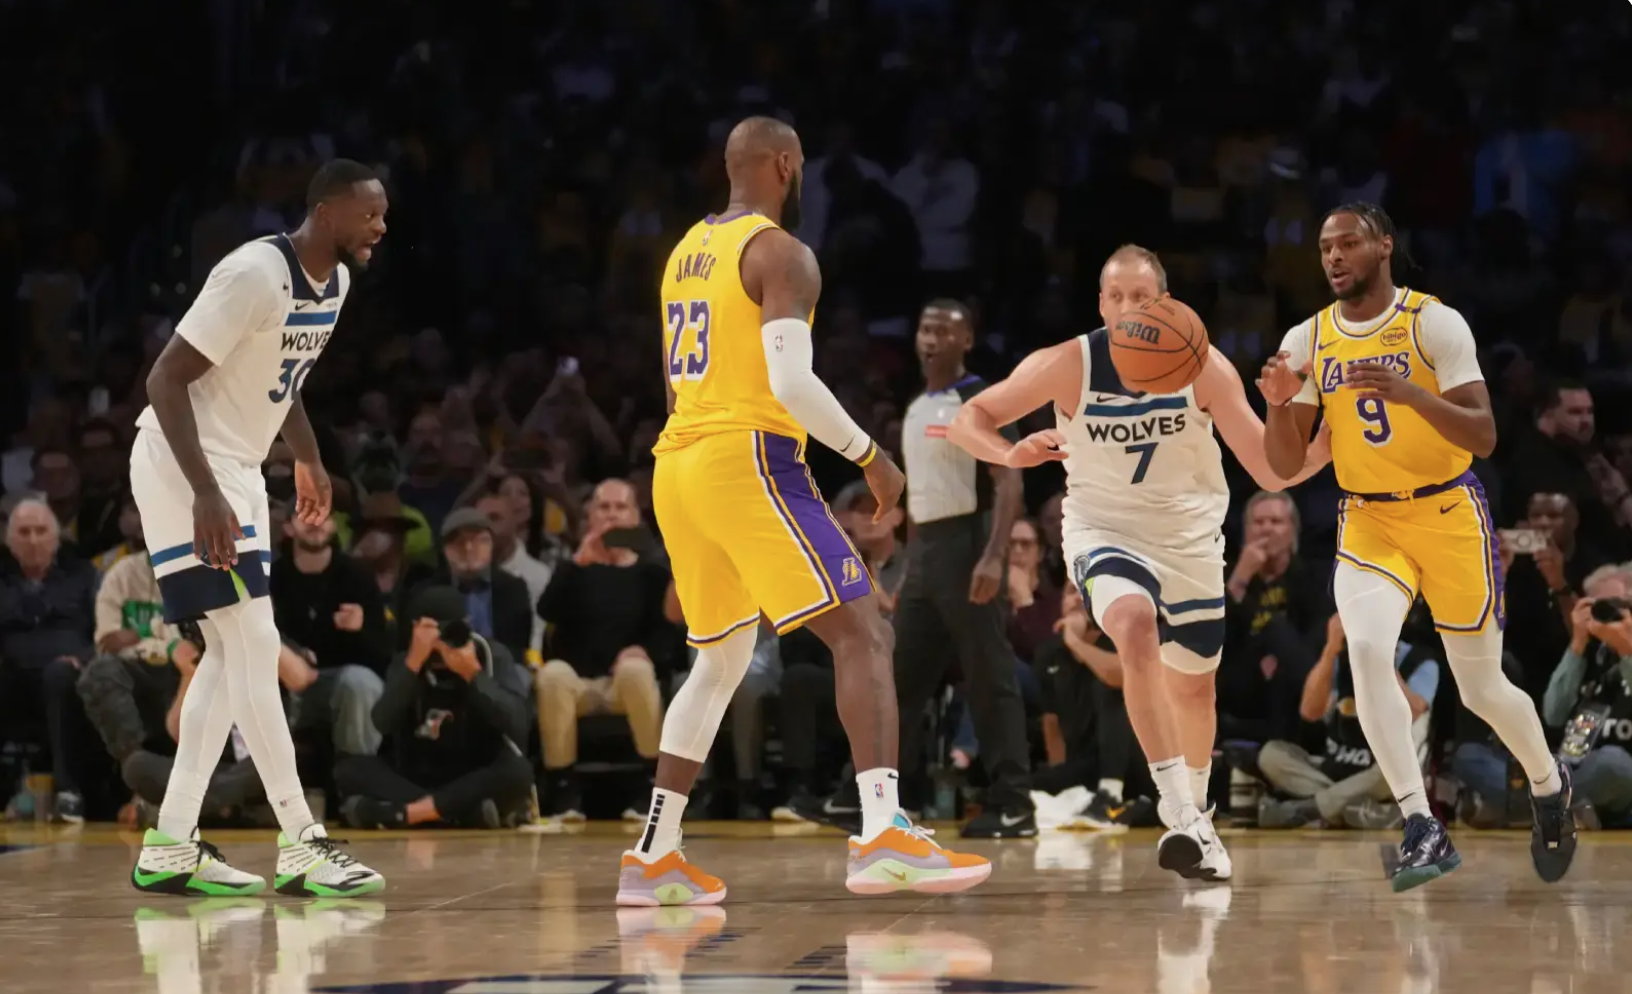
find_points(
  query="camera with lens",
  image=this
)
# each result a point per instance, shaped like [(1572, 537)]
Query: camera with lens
[(1609, 610), (454, 634)]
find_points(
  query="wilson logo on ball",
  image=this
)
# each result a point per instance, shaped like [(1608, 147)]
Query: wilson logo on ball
[(1138, 329)]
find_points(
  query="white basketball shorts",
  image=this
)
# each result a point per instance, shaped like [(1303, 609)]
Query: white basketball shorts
[(191, 588), (1187, 588)]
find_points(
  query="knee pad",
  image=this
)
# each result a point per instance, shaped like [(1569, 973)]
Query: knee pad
[(694, 717)]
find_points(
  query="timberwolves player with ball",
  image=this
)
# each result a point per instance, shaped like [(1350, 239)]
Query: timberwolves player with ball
[(1145, 499), (225, 386)]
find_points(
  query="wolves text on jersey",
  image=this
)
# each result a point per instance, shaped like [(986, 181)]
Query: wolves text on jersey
[(1125, 430), (306, 341), (1333, 372)]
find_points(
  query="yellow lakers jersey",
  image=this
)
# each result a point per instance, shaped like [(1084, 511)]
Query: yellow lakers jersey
[(711, 338), (1379, 447)]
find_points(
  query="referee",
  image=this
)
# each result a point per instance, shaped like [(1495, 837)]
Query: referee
[(951, 601)]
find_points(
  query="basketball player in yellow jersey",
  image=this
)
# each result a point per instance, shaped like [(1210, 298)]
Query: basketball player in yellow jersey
[(1397, 375), (748, 533)]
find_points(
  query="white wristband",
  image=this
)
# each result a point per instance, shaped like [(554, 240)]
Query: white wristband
[(788, 361)]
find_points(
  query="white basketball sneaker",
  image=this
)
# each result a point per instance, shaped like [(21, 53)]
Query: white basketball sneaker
[(1193, 850), (191, 867), (314, 866)]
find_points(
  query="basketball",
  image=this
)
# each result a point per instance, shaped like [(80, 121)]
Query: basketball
[(1160, 348)]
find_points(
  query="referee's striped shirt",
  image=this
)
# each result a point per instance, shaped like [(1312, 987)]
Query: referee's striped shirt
[(943, 481)]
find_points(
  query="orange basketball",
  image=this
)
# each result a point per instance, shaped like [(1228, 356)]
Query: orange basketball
[(1160, 348)]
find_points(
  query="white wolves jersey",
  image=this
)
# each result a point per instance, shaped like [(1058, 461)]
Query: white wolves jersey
[(262, 322), (1141, 465)]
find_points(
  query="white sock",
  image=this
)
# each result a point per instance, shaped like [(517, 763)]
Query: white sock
[(249, 639), (662, 833), (1173, 784), (1111, 788), (1373, 610), (1200, 779), (206, 721), (1476, 662), (880, 799)]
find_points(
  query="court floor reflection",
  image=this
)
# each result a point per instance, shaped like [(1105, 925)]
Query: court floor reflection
[(492, 913)]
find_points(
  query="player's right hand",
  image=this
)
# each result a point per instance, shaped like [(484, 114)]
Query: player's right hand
[(885, 480), (1279, 382), (215, 531), (1037, 448)]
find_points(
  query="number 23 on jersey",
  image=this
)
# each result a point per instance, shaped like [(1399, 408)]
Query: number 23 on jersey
[(687, 325)]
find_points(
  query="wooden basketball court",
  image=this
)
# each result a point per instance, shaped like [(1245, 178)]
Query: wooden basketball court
[(513, 913)]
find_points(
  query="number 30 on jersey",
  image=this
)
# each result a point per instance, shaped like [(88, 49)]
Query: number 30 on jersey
[(292, 376), (687, 323)]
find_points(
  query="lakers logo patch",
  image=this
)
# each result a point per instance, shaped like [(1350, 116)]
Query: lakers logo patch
[(851, 571)]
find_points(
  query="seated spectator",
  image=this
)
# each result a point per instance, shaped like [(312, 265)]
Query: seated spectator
[(496, 601), (1541, 585), (609, 634), (1588, 697), (382, 530), (1336, 787), (330, 609), (1273, 607), (56, 478), (131, 543), (47, 622), (513, 558), (1556, 457), (745, 717), (133, 689), (455, 713), (102, 469), (1033, 597)]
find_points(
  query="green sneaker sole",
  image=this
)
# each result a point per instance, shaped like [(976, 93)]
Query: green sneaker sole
[(188, 885), (299, 886)]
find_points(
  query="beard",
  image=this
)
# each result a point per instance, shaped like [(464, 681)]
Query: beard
[(791, 215), (1359, 285), (350, 261)]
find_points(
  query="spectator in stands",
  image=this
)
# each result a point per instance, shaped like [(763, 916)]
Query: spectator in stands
[(1034, 599), (496, 601), (512, 557), (1542, 583), (132, 541), (47, 622), (609, 636), (330, 610), (1588, 695), (1274, 605), (455, 713), (1345, 787), (428, 487), (101, 463), (381, 529), (1556, 457), (132, 691), (56, 478), (941, 188)]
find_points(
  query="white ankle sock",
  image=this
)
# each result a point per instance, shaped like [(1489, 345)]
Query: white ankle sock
[(1201, 777), (1111, 788), (1173, 784), (662, 833), (880, 799)]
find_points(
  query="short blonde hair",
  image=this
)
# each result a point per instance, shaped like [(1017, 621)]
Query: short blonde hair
[(1136, 253), (1291, 508)]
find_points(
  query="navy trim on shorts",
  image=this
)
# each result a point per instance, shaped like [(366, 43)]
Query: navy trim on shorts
[(174, 552), (193, 592)]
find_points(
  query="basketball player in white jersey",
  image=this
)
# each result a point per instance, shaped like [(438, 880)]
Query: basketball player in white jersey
[(227, 383), (1145, 500)]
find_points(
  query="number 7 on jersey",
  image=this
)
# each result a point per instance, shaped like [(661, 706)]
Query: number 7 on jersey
[(687, 363)]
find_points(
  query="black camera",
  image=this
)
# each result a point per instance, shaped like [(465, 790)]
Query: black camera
[(454, 634), (1609, 610)]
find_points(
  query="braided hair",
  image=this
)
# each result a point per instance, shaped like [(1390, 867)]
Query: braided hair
[(1378, 220)]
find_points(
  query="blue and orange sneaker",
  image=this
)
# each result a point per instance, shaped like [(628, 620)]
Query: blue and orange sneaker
[(665, 880), (903, 857)]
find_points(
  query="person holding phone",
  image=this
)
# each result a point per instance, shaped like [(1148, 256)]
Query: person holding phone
[(455, 715), (1545, 565), (1590, 695), (608, 639)]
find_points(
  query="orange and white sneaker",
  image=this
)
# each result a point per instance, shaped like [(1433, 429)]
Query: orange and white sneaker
[(903, 857), (665, 880)]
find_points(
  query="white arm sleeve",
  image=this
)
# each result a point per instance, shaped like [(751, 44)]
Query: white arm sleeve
[(788, 360), (241, 296), (1447, 343), (1298, 344)]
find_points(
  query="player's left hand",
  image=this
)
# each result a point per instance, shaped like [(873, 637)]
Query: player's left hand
[(987, 579), (314, 494), (1375, 381)]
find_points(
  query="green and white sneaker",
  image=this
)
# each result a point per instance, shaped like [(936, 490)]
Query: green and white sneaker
[(191, 868), (314, 866)]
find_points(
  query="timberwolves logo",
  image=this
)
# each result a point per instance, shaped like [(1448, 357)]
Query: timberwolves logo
[(852, 571)]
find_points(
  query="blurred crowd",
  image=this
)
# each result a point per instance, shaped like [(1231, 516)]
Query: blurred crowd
[(462, 638)]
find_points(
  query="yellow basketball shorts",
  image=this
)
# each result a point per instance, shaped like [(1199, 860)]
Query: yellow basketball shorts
[(1441, 545), (747, 532)]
